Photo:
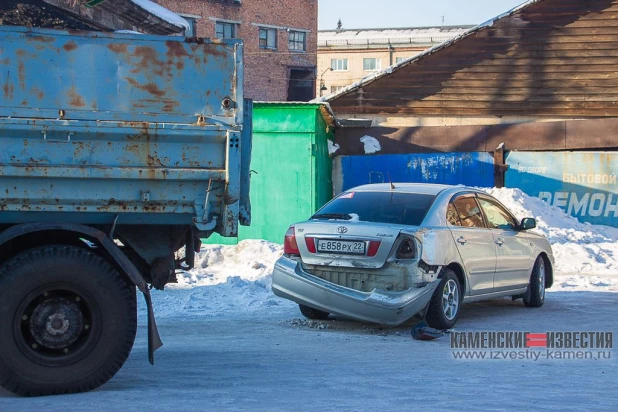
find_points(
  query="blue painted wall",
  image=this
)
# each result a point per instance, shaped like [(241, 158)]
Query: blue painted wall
[(583, 184), (472, 169)]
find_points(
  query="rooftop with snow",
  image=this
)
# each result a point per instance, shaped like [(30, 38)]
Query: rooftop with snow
[(420, 35)]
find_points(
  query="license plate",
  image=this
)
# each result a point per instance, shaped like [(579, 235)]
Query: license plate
[(341, 246)]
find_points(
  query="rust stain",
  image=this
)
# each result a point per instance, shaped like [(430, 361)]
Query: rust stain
[(8, 89), (151, 88), (21, 73), (42, 39), (175, 53), (176, 49), (148, 56), (133, 148), (70, 46), (169, 105), (38, 92), (75, 99), (118, 48)]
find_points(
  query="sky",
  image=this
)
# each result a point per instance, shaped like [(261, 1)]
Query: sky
[(356, 14)]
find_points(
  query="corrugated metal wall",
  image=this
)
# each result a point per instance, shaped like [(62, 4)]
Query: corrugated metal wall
[(471, 169), (583, 184)]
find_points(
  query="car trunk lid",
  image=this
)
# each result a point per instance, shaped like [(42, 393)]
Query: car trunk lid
[(346, 243)]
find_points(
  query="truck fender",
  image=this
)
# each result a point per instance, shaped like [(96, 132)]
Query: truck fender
[(118, 259)]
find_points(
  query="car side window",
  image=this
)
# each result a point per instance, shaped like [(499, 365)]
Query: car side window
[(497, 217), (451, 215), (469, 212)]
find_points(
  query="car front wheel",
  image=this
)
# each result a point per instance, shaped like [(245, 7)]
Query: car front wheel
[(445, 303), (535, 296)]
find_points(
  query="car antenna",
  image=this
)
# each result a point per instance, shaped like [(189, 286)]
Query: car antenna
[(390, 181)]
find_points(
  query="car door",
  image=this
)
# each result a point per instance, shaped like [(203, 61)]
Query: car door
[(513, 250), (474, 243)]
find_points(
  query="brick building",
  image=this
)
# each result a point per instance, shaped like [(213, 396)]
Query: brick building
[(280, 41)]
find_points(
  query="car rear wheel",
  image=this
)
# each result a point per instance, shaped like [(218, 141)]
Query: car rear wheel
[(311, 313), (445, 303), (535, 296)]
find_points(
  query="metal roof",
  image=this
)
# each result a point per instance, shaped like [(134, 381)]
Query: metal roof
[(375, 76), (420, 35), (324, 107)]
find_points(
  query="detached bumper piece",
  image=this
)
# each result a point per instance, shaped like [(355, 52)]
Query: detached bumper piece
[(389, 308)]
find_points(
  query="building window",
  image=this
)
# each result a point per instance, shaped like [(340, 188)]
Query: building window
[(335, 89), (190, 32), (268, 38), (339, 65), (297, 41), (225, 30), (371, 64), (192, 20), (400, 59)]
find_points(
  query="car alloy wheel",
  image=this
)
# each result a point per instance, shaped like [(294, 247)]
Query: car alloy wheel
[(450, 299)]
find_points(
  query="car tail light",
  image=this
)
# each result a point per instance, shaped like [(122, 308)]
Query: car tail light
[(290, 247), (310, 242), (374, 245), (406, 249)]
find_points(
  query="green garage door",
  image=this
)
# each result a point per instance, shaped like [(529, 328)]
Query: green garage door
[(293, 169)]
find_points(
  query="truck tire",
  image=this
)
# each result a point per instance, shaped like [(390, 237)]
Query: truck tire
[(68, 321)]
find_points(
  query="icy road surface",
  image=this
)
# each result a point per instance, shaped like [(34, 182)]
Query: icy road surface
[(271, 361)]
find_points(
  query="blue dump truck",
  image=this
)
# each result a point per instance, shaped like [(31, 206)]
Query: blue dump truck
[(118, 153)]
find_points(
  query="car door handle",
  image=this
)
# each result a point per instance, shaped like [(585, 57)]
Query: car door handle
[(462, 240), (499, 241)]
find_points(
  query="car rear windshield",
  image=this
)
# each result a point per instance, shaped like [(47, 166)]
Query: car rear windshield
[(383, 207)]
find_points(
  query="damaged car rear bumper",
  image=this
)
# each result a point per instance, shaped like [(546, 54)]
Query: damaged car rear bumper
[(290, 281)]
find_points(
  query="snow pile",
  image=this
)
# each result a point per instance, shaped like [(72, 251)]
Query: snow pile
[(226, 279), (371, 144), (162, 13), (586, 255), (332, 147)]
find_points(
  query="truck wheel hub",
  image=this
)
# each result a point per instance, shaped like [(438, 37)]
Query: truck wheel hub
[(56, 322)]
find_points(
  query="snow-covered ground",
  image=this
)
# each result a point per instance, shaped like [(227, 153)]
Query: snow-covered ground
[(231, 345)]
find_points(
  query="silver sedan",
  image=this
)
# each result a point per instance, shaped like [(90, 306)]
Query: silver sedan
[(387, 252)]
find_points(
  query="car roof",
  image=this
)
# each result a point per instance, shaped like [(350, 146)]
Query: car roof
[(421, 188)]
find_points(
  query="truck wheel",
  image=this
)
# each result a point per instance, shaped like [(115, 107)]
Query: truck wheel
[(68, 321)]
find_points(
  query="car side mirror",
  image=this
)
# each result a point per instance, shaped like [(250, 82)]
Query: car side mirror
[(528, 223)]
